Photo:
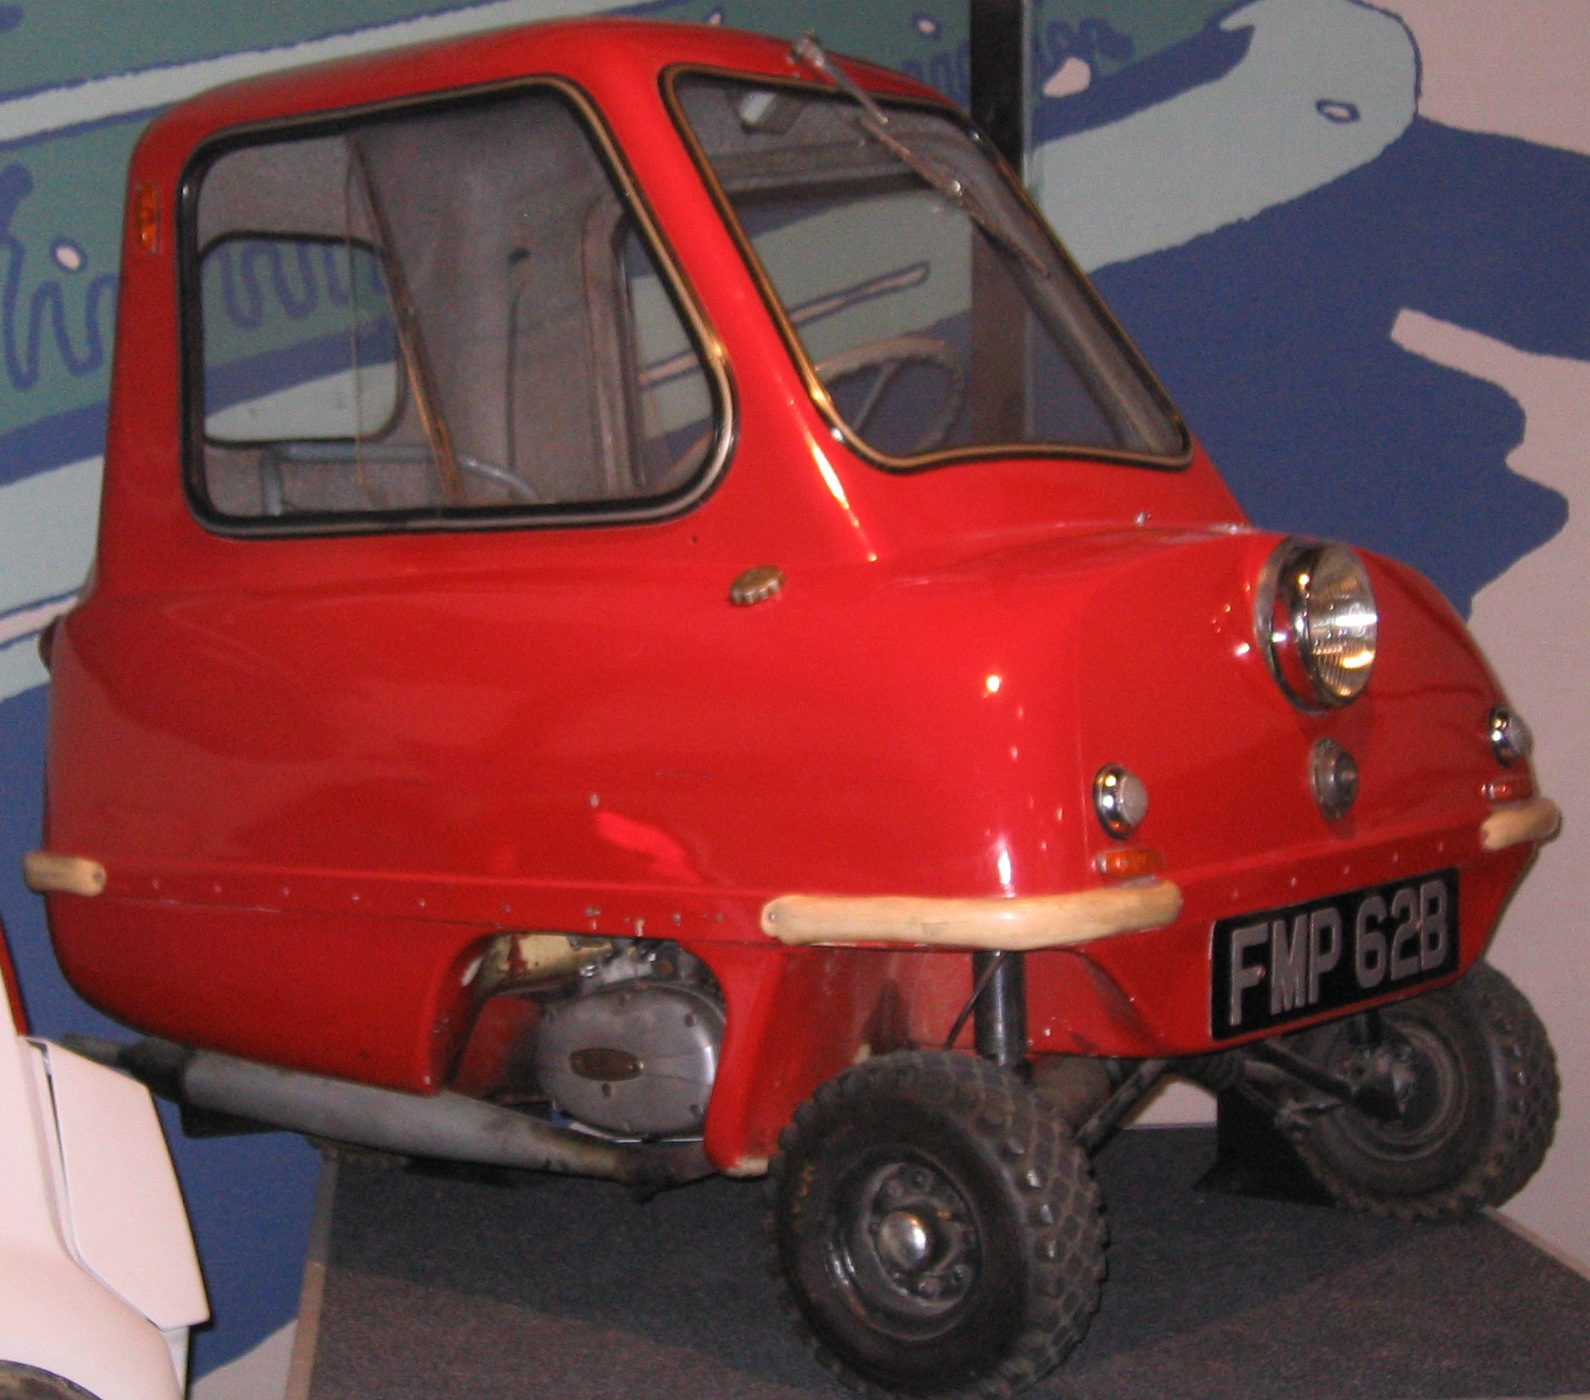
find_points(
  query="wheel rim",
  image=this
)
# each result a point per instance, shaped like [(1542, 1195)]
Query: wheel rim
[(903, 1246), (1431, 1095)]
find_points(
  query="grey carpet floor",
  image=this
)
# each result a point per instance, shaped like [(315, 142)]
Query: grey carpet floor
[(461, 1289)]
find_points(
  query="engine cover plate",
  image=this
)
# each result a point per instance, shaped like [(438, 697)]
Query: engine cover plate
[(637, 1058)]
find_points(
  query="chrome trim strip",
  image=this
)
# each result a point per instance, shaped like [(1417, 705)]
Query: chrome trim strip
[(1536, 820), (1009, 925)]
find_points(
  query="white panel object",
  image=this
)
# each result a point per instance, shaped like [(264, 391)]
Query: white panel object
[(57, 1317), (123, 1215)]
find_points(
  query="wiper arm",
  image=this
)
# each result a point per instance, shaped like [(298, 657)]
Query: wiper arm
[(810, 51), (874, 121)]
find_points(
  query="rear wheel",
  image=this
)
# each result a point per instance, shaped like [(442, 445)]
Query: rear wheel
[(938, 1234), (1475, 1083)]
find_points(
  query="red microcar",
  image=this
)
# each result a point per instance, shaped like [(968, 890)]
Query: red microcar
[(647, 621)]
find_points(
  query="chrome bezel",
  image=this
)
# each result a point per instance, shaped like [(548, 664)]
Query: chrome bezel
[(1510, 736), (1120, 798), (1281, 623)]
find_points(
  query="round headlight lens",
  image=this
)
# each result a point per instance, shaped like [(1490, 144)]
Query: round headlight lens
[(1121, 800), (1317, 622), (1510, 737)]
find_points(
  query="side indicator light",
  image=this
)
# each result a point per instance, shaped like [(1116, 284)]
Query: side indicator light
[(1130, 863), (1510, 787), (146, 217)]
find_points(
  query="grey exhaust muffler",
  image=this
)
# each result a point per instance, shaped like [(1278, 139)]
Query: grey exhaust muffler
[(446, 1126)]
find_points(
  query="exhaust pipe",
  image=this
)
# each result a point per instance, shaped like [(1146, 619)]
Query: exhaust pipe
[(446, 1126)]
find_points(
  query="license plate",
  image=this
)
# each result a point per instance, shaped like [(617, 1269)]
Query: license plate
[(1282, 965)]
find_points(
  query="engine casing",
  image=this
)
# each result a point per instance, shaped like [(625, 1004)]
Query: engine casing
[(637, 1057)]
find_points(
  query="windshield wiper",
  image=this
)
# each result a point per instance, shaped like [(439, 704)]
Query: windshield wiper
[(875, 122)]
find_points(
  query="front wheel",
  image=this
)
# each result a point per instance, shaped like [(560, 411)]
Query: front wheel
[(27, 1383), (1475, 1083), (937, 1233)]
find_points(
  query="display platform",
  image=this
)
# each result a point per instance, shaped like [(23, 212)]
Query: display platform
[(568, 1288)]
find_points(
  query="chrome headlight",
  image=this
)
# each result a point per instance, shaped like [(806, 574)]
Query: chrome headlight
[(1510, 738), (1120, 799), (1317, 622)]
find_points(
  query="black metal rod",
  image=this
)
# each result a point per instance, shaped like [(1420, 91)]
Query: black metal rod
[(980, 978), (999, 1025), (998, 38), (1148, 1073), (1377, 1100)]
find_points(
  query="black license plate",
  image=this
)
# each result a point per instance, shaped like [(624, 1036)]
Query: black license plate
[(1272, 968)]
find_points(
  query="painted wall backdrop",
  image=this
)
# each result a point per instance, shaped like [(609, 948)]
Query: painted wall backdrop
[(1351, 238)]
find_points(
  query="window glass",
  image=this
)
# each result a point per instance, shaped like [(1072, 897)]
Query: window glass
[(300, 340), (929, 303), (440, 313)]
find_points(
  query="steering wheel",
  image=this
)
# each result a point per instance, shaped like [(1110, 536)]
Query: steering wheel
[(516, 486), (887, 359)]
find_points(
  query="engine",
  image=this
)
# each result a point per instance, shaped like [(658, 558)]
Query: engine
[(630, 1043)]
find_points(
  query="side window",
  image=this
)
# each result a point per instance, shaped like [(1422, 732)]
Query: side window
[(442, 314), (673, 406), (300, 359)]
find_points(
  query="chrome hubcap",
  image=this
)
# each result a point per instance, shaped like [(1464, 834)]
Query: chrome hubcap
[(906, 1241)]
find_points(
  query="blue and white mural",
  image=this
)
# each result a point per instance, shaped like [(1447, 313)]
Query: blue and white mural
[(1259, 230), (1350, 238)]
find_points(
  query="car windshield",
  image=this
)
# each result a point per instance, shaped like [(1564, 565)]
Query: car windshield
[(929, 306)]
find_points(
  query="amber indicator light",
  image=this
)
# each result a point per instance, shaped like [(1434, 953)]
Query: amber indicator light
[(1130, 863), (146, 217), (1510, 787)]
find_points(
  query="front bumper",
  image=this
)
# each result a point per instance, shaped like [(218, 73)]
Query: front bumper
[(1007, 925), (1536, 820)]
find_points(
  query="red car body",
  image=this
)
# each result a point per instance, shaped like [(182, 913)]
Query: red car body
[(300, 786)]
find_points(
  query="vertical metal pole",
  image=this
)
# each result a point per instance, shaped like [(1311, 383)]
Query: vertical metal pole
[(999, 107), (1000, 410), (999, 1021), (999, 97)]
